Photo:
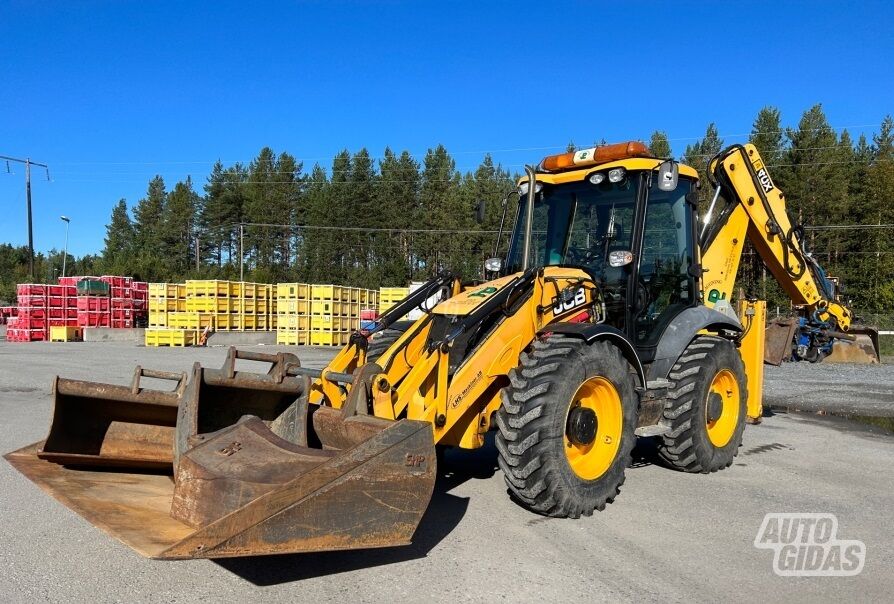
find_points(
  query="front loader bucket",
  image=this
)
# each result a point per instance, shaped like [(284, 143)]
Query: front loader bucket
[(283, 476)]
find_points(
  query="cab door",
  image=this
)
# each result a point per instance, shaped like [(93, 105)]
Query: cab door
[(663, 284)]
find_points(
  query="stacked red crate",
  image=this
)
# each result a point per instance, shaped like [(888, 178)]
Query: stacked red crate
[(32, 322), (62, 310), (71, 302), (13, 331), (140, 292), (43, 306), (7, 313), (121, 291), (93, 311)]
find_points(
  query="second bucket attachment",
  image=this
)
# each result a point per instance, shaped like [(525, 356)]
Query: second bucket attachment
[(120, 426)]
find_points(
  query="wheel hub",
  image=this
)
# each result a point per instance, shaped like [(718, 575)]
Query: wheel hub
[(715, 407), (582, 425)]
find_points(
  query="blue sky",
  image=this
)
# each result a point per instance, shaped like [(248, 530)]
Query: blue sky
[(110, 94)]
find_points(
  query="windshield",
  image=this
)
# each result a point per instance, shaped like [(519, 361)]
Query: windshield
[(578, 224)]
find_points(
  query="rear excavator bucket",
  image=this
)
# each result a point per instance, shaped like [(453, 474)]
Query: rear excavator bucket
[(232, 463), (862, 349), (858, 345), (778, 340)]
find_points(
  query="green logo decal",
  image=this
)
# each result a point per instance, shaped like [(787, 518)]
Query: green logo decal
[(714, 295), (483, 293)]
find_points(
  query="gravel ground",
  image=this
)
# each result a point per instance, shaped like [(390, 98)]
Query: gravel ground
[(850, 389), (669, 536)]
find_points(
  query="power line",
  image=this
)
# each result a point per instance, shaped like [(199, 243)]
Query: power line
[(496, 166), (832, 227), (464, 152), (421, 180), (236, 225)]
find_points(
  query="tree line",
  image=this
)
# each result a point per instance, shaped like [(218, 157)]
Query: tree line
[(371, 222)]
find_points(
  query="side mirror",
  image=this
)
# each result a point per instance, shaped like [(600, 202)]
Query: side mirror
[(480, 211), (668, 175), (493, 265), (620, 258)]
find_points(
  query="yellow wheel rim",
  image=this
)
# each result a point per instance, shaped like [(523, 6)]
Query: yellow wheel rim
[(591, 460), (723, 425)]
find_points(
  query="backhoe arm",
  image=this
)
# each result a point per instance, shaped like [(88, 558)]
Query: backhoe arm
[(755, 208)]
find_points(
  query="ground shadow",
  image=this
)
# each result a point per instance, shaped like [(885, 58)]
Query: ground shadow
[(645, 452), (443, 514), (459, 465)]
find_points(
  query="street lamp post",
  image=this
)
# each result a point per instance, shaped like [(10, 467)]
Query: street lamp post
[(67, 221)]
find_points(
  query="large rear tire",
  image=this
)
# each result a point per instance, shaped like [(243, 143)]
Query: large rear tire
[(566, 426), (706, 407)]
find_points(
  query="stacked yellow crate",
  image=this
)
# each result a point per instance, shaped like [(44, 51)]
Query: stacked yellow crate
[(230, 305), (254, 306), (389, 296), (212, 304), (171, 337), (292, 313), (334, 314), (167, 302)]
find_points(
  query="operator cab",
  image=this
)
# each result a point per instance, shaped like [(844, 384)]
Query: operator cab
[(611, 215)]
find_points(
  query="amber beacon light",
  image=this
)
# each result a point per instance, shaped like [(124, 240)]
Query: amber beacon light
[(594, 155)]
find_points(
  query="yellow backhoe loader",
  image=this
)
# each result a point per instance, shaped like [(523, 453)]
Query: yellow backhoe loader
[(609, 318)]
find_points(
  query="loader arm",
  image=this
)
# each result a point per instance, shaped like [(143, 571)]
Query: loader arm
[(449, 367)]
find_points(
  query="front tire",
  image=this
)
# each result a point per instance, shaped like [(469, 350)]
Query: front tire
[(566, 426), (706, 407)]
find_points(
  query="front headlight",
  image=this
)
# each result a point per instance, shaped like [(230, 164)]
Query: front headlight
[(493, 265), (616, 174), (523, 188)]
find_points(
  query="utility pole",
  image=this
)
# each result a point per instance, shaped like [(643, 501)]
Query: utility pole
[(241, 251), (28, 163)]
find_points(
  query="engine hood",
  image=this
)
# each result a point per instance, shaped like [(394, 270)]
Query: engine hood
[(472, 297)]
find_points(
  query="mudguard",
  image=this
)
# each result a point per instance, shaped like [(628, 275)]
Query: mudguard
[(681, 331), (591, 332)]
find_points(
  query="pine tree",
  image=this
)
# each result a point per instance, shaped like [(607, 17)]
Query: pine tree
[(488, 184), (315, 258), (178, 231), (659, 145), (221, 210), (150, 250), (699, 154), (816, 180), (118, 253), (360, 206), (259, 209), (438, 210), (880, 192), (768, 136), (289, 209), (272, 194), (396, 193)]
